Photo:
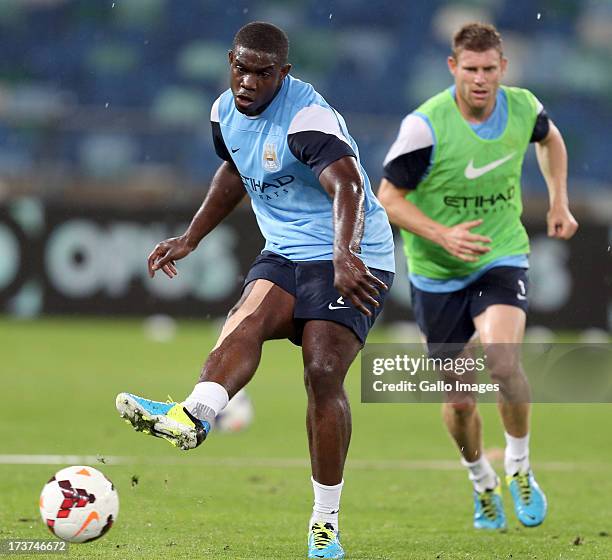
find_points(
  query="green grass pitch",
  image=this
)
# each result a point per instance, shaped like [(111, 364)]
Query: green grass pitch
[(248, 495)]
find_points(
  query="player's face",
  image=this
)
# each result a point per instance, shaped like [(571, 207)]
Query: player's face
[(477, 78), (255, 78)]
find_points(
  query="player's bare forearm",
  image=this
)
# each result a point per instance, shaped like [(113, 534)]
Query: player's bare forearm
[(457, 240), (552, 159), (343, 182), (406, 215), (225, 192)]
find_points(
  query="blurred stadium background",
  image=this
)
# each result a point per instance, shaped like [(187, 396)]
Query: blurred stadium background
[(105, 141), (105, 149)]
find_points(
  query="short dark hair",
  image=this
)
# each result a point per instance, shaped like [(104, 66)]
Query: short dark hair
[(477, 37), (263, 37)]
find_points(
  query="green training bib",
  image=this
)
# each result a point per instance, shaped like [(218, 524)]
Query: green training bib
[(471, 178)]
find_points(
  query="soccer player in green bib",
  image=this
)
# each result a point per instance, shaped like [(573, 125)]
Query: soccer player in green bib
[(452, 183)]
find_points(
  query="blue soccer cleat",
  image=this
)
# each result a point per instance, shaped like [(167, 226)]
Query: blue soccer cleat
[(489, 509), (529, 501), (168, 420), (324, 541)]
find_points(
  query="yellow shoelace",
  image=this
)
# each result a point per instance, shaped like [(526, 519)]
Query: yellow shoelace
[(322, 535), (524, 486), (487, 504)]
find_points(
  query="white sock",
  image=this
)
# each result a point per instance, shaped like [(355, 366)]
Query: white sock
[(206, 400), (516, 457), (326, 503), (481, 474)]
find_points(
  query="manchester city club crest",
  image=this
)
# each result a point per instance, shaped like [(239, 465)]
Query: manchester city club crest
[(270, 158)]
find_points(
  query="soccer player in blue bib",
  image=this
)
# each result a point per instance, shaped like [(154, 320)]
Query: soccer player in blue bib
[(321, 279)]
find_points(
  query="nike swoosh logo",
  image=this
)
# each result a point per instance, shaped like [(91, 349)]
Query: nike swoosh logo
[(91, 517), (472, 172), (340, 302), (234, 150)]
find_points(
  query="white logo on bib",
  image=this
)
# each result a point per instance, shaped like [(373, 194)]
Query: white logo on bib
[(472, 172)]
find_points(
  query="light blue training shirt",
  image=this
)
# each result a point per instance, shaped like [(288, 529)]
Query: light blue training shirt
[(280, 155)]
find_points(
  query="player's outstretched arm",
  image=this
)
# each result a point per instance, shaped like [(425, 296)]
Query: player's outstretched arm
[(457, 240), (552, 159), (343, 182), (225, 192)]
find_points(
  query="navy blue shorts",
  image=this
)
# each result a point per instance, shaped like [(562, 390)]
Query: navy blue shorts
[(312, 285), (448, 318)]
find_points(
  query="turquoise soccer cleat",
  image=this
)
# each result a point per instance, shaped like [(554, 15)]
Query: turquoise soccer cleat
[(529, 501), (324, 542), (168, 420), (489, 509)]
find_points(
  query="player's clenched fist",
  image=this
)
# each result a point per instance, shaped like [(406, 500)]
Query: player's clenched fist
[(561, 223)]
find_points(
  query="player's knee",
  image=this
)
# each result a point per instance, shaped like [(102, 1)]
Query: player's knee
[(503, 371), (462, 405), (322, 376)]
